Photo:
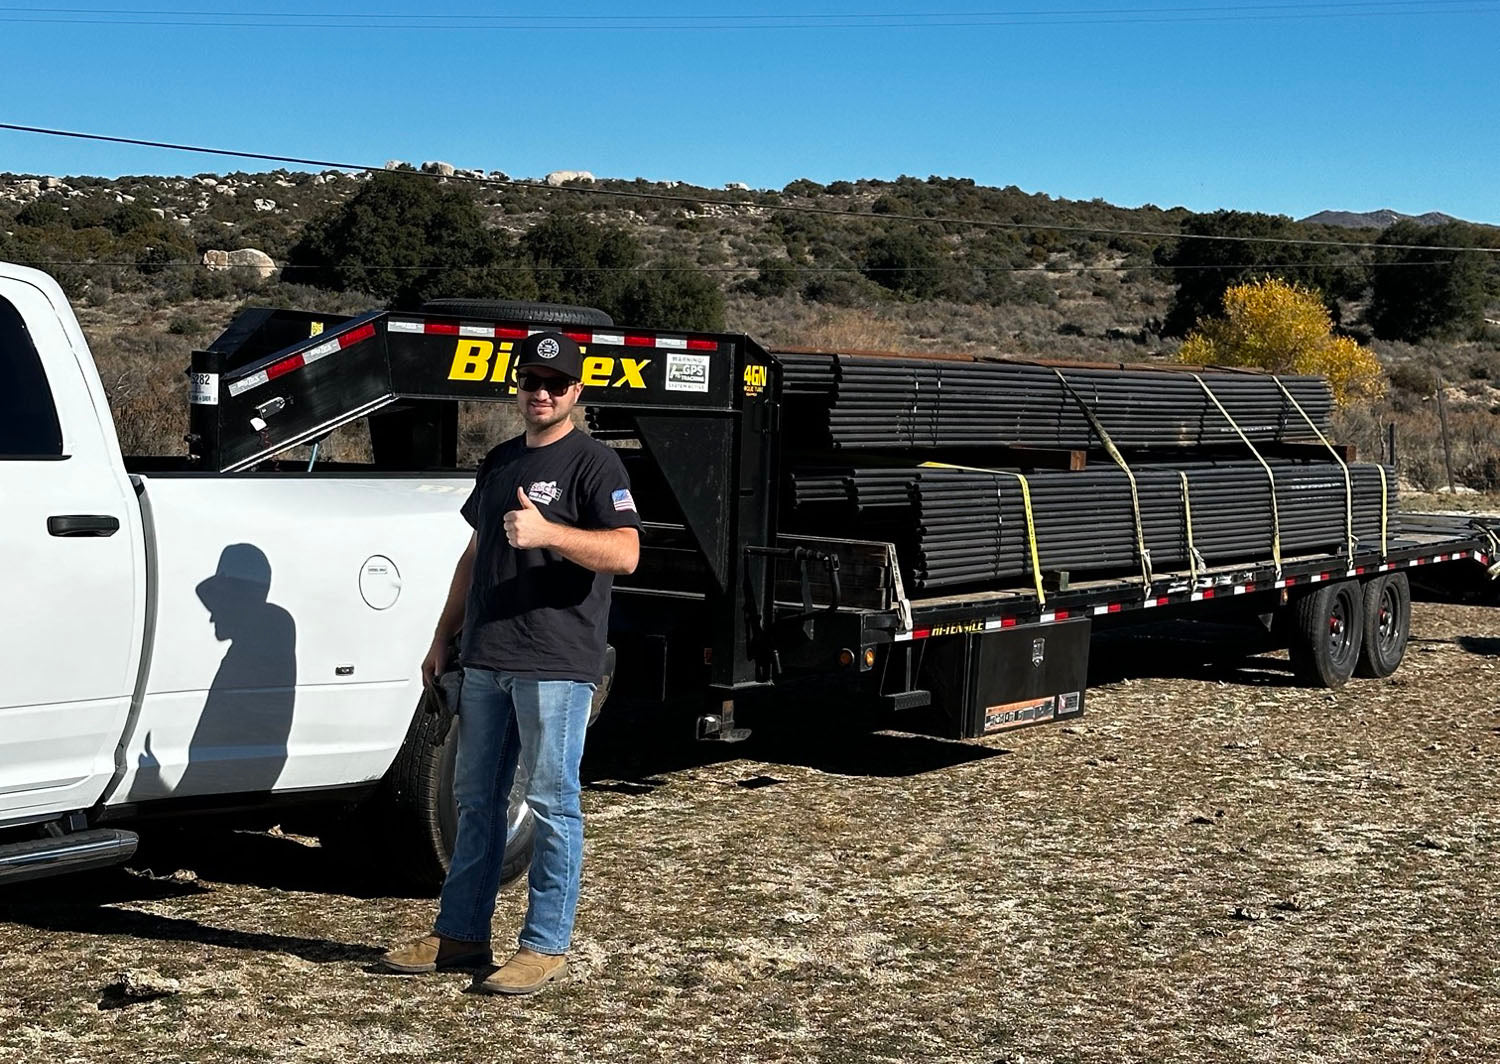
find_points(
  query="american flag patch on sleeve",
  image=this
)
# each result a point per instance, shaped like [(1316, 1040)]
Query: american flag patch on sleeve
[(622, 499)]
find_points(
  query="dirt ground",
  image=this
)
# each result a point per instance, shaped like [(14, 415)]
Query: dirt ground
[(1210, 865)]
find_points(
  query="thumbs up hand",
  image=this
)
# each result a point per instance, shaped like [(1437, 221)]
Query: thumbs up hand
[(527, 527)]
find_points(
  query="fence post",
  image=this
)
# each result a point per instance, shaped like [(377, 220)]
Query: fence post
[(1443, 421)]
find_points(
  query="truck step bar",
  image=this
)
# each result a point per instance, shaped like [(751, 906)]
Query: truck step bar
[(82, 850)]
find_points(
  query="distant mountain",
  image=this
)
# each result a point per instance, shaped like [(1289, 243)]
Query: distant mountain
[(1375, 219)]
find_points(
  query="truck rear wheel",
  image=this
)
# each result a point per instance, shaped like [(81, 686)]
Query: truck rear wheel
[(1326, 629), (1387, 625), (419, 799), (424, 813)]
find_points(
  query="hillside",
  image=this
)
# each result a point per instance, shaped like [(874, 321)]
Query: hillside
[(1375, 219), (996, 270)]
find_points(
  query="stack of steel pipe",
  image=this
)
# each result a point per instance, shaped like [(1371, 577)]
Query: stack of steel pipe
[(962, 527), (863, 402)]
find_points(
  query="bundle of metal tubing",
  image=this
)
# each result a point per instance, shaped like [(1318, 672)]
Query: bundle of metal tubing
[(852, 401), (962, 527)]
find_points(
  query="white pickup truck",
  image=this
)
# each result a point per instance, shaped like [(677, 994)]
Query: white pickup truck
[(182, 641)]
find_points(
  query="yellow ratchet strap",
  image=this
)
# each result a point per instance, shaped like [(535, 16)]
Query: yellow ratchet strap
[(1114, 452), (1384, 494), (1194, 558), (1036, 565), (1275, 510), (1348, 484)]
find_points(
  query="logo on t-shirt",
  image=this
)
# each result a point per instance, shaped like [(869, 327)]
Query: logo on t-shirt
[(622, 499), (543, 491)]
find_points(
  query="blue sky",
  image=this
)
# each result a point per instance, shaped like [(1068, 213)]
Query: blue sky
[(1281, 107)]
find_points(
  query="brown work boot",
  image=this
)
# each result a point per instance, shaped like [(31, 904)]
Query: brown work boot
[(525, 973), (432, 952)]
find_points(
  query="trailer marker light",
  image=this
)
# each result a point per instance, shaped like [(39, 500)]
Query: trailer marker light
[(869, 656)]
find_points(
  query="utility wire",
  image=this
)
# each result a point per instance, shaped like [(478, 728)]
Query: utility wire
[(957, 268), (701, 201), (723, 23), (1418, 5)]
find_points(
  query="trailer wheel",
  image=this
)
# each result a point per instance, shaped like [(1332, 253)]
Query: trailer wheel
[(514, 310), (1327, 626), (1387, 625)]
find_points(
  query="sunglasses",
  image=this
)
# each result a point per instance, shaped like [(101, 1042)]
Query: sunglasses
[(531, 382)]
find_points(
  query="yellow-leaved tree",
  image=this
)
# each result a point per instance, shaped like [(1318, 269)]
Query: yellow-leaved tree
[(1285, 328)]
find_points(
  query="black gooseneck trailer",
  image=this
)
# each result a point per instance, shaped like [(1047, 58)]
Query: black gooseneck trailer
[(745, 586)]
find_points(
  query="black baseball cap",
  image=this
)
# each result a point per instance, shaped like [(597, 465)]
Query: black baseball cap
[(550, 350)]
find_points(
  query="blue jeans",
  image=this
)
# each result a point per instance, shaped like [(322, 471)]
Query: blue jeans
[(500, 718)]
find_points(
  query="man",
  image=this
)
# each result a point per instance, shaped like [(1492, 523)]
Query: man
[(553, 522)]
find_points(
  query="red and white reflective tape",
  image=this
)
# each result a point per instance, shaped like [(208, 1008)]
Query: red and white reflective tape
[(1209, 593), (313, 354), (507, 332)]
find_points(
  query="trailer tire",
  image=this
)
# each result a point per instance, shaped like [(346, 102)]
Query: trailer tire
[(515, 310), (1387, 625), (1327, 626)]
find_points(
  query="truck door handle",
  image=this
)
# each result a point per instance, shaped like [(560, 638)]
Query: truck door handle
[(83, 525)]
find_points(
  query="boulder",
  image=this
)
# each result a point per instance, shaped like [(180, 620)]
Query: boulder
[(562, 177), (265, 205), (248, 261), (441, 169)]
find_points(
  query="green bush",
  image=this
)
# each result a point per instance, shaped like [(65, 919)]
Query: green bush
[(406, 239), (676, 296)]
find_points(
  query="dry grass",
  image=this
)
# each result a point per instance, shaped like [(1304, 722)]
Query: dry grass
[(1212, 865)]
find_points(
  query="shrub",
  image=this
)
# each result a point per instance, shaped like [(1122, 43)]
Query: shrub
[(1284, 328)]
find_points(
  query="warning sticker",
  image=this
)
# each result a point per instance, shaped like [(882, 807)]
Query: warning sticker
[(203, 389), (1015, 714), (687, 373)]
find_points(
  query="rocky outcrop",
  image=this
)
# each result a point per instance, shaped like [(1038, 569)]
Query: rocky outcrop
[(562, 177), (247, 261)]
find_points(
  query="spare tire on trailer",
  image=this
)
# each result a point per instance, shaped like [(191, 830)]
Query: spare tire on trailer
[(1387, 625), (515, 310), (1326, 628)]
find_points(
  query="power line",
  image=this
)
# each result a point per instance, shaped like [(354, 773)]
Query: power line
[(957, 267), (700, 201), (1421, 5), (1279, 12)]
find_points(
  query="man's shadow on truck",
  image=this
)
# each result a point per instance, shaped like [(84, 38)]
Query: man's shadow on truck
[(240, 743)]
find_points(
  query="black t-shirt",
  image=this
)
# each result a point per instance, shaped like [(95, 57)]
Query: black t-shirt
[(533, 612)]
